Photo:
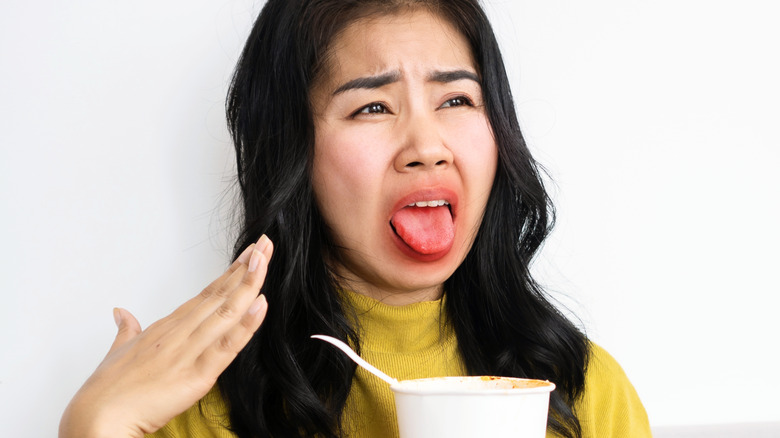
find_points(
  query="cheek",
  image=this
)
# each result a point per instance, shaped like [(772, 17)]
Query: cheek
[(475, 150), (346, 177), (342, 166)]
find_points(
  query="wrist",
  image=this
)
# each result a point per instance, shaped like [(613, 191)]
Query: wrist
[(85, 421)]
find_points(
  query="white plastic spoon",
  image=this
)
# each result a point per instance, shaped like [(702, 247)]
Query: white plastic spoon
[(358, 360)]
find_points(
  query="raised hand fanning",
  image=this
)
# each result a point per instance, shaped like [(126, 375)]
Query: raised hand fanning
[(150, 376)]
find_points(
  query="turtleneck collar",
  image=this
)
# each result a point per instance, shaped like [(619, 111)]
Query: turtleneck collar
[(403, 329)]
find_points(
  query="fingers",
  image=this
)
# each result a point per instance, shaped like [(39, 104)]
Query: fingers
[(223, 350), (231, 325), (128, 328), (187, 307), (217, 300), (220, 320), (220, 311), (159, 372)]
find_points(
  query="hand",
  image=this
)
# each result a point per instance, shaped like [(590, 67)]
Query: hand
[(148, 377)]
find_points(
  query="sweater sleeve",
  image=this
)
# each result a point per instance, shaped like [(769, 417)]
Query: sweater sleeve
[(610, 406)]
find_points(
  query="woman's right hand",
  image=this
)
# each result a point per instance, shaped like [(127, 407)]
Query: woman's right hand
[(148, 377)]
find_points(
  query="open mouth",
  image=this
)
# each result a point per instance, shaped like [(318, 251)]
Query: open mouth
[(426, 227)]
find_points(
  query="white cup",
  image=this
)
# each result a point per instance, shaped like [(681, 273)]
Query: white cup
[(476, 406)]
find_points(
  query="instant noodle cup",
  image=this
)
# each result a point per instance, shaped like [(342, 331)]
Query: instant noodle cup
[(474, 406)]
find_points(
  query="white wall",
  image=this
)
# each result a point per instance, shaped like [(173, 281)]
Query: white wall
[(657, 122)]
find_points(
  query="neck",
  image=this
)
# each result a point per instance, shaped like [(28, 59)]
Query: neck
[(394, 297)]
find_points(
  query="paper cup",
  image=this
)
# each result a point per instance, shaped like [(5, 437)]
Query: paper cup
[(476, 406)]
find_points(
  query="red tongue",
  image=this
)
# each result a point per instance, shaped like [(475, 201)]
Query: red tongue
[(427, 230)]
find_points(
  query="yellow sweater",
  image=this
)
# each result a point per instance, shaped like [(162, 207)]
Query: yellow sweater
[(407, 342)]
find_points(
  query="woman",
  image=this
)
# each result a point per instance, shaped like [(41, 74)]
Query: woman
[(378, 148)]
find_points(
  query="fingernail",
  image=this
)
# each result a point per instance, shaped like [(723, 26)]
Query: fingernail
[(262, 244), (244, 257), (255, 260), (256, 305), (117, 316)]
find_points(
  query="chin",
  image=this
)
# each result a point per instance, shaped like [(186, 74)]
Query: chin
[(425, 276)]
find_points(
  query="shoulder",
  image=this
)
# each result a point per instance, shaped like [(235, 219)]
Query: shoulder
[(601, 365), (609, 405), (208, 418)]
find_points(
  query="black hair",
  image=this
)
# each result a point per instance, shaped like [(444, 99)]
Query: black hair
[(282, 384)]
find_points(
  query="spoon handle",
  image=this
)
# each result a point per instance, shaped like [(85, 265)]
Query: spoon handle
[(359, 360)]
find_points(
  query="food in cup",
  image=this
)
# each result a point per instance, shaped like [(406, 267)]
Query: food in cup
[(455, 407)]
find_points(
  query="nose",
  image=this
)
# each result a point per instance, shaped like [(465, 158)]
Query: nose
[(422, 147)]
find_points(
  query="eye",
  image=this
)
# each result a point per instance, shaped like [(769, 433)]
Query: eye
[(372, 108), (457, 101)]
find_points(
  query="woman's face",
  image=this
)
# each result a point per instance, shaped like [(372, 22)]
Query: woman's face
[(404, 156)]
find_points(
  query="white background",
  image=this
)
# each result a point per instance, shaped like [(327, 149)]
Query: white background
[(657, 121)]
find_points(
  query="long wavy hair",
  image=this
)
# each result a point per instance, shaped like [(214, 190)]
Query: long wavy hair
[(282, 384)]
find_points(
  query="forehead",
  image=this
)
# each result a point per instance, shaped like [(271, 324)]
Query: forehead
[(413, 43)]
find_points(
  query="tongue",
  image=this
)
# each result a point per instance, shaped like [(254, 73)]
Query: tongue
[(427, 230)]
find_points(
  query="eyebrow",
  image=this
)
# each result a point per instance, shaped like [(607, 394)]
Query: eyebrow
[(369, 82), (373, 82), (452, 76)]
